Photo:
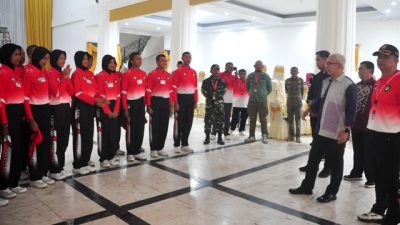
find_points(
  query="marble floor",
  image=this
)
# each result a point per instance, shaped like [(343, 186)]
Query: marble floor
[(234, 184)]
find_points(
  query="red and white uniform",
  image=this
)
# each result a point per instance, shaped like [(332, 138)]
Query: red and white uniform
[(108, 87), (385, 105), (61, 88), (240, 94), (3, 115), (133, 85), (230, 86), (20, 70), (185, 81), (160, 84), (36, 85), (12, 91), (84, 86)]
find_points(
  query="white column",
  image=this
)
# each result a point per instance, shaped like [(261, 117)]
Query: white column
[(108, 33), (336, 29), (183, 30)]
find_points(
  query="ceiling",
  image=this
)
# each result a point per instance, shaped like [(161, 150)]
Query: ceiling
[(237, 14)]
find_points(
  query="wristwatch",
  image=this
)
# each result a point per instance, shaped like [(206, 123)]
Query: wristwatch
[(347, 130)]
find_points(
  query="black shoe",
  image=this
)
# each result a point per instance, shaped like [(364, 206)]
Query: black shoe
[(324, 173), (300, 191), (369, 184), (326, 198), (206, 141), (303, 169), (221, 142), (352, 177)]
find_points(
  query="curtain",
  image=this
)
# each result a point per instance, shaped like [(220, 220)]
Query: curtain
[(12, 16), (119, 57), (91, 48), (38, 16)]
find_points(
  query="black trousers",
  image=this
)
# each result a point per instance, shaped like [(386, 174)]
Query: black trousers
[(313, 123), (61, 115), (137, 122), (107, 134), (386, 159), (362, 158), (334, 153), (15, 113), (185, 119), (159, 123), (228, 112), (235, 118), (83, 140), (41, 114)]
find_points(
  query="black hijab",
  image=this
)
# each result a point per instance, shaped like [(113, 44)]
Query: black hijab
[(54, 56), (78, 58), (6, 52), (39, 54), (105, 61)]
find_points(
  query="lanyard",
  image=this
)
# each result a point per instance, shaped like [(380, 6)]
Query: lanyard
[(385, 87), (214, 84)]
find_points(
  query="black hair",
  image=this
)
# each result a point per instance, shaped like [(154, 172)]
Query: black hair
[(242, 70), (39, 54), (228, 63), (30, 49), (323, 53), (131, 57), (105, 61), (369, 65), (160, 56), (179, 63), (54, 56), (6, 51), (78, 58), (214, 65), (185, 53)]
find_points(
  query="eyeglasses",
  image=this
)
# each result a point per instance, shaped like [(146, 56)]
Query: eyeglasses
[(331, 63)]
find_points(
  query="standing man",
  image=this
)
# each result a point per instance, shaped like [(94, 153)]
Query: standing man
[(185, 83), (314, 93), (213, 89), (384, 123), (294, 87), (361, 139), (240, 101), (229, 79), (333, 128), (259, 86)]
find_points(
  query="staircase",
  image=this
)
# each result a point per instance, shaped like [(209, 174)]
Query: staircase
[(136, 46)]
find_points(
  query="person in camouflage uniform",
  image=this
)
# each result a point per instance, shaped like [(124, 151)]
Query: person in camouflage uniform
[(294, 87), (213, 89)]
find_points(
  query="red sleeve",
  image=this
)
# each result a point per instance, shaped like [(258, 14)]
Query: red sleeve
[(124, 90), (101, 92), (70, 88), (28, 110), (78, 92), (149, 88), (54, 85), (172, 95)]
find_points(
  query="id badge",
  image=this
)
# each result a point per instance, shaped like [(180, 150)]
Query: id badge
[(139, 81), (110, 85), (18, 84), (162, 82)]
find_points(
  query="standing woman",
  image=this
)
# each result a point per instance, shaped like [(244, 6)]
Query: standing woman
[(84, 110), (14, 106), (61, 90), (108, 87), (37, 91)]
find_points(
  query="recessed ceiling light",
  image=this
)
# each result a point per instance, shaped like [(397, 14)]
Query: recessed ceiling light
[(126, 24), (254, 17), (393, 3), (226, 14), (158, 28), (387, 11)]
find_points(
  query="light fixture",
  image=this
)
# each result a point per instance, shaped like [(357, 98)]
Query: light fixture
[(387, 11), (158, 28), (126, 24), (254, 17), (393, 3), (226, 13)]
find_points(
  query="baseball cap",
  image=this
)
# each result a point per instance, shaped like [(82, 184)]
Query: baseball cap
[(387, 49)]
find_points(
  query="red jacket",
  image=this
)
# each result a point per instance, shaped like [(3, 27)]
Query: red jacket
[(160, 84), (185, 81), (36, 85), (134, 82), (108, 87), (230, 81), (12, 92), (84, 85), (61, 88)]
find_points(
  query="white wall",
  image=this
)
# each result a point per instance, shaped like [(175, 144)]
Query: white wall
[(154, 46)]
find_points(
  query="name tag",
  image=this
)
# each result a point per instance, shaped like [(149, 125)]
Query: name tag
[(42, 79), (88, 81), (139, 81), (110, 85), (162, 82), (18, 84)]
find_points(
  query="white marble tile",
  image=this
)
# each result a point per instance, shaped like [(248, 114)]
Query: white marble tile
[(111, 220)]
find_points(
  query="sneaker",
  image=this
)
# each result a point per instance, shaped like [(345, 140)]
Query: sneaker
[(140, 156), (369, 184), (241, 133), (153, 154), (114, 162), (370, 217), (298, 140), (66, 174), (250, 139), (162, 153), (212, 137), (81, 171), (130, 158), (116, 157), (19, 190), (290, 139), (48, 180), (352, 177), (105, 164), (3, 202), (186, 149), (120, 152), (178, 150), (264, 139), (24, 175), (57, 176), (7, 194), (90, 169), (38, 184), (228, 137), (91, 163)]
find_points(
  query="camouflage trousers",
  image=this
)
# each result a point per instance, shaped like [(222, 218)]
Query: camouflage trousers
[(214, 116)]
